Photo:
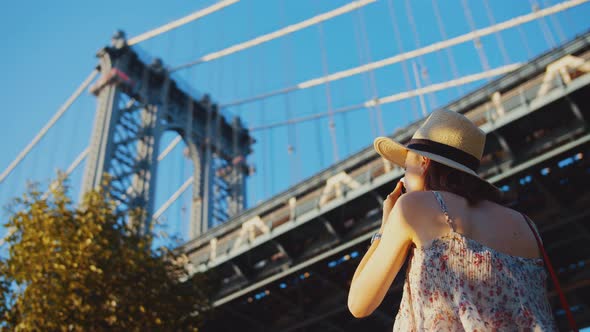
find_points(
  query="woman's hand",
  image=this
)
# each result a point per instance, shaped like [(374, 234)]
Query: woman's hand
[(389, 202)]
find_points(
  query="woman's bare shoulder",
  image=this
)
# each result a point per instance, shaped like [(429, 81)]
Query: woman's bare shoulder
[(419, 208), (504, 229)]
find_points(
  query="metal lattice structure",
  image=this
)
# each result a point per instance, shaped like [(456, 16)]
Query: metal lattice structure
[(137, 103)]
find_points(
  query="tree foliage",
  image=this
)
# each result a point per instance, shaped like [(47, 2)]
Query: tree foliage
[(81, 269)]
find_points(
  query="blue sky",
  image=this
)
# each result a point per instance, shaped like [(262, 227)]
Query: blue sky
[(49, 49)]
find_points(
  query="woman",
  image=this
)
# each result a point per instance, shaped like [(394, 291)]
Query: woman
[(475, 264)]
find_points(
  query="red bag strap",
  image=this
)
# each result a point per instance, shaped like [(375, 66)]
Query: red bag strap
[(564, 303)]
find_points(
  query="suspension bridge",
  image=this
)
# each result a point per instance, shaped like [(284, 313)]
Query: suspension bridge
[(256, 154)]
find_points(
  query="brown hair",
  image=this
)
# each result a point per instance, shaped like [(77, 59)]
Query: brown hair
[(473, 188)]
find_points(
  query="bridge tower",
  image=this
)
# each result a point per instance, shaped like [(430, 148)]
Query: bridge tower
[(136, 103)]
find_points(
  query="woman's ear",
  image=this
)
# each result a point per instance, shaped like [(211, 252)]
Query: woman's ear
[(424, 163)]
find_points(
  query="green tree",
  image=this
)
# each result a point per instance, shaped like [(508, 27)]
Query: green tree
[(82, 269)]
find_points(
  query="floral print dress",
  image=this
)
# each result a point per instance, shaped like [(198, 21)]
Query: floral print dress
[(459, 284)]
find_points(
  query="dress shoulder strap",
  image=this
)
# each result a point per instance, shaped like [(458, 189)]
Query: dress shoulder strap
[(533, 228), (443, 206)]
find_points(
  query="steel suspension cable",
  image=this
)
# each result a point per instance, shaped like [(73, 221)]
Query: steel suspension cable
[(555, 21), (419, 88), (448, 50), (267, 148), (320, 145), (365, 79), (398, 96), (499, 39), (276, 34), (400, 48), (180, 22), (524, 40), (372, 81), (423, 68), (543, 25), (235, 146), (514, 22), (292, 149), (48, 125), (477, 42), (251, 76), (331, 123)]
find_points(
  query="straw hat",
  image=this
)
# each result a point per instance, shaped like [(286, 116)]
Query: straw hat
[(446, 137)]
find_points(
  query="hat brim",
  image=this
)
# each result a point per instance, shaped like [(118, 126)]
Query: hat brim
[(396, 153), (391, 150)]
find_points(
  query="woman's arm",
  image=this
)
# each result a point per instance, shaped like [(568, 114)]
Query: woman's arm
[(382, 262), (388, 204), (367, 256)]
